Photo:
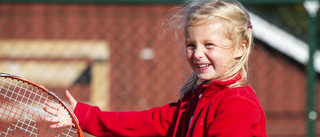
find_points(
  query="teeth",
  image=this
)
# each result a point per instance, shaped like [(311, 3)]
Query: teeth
[(205, 65)]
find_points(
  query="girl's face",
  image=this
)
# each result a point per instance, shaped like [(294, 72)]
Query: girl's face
[(208, 50)]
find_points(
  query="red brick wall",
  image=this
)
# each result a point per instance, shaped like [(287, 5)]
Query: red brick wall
[(280, 85)]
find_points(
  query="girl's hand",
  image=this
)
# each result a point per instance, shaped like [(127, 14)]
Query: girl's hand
[(62, 117)]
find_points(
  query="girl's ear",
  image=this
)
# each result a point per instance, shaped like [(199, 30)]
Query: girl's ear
[(241, 49)]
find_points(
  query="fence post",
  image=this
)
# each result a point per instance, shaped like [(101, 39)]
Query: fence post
[(312, 7)]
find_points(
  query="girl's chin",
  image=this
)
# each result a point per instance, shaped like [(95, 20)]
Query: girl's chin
[(205, 78)]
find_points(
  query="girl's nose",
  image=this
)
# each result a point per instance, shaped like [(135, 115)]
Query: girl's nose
[(198, 53)]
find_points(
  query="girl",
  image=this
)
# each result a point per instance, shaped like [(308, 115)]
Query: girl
[(215, 100)]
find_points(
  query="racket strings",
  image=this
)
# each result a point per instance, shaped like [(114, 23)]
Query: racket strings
[(21, 109)]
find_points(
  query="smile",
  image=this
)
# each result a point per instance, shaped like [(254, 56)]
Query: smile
[(203, 65)]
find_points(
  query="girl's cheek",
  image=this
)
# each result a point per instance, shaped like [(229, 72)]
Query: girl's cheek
[(189, 55)]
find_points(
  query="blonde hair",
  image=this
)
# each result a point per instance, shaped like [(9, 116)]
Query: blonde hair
[(235, 16)]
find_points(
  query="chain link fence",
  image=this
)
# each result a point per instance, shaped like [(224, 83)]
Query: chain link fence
[(118, 57)]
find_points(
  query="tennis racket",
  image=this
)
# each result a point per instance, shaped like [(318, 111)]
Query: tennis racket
[(21, 110)]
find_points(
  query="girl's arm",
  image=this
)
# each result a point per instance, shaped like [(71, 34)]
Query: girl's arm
[(153, 122)]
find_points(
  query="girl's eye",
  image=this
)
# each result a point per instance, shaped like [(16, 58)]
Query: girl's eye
[(191, 46), (209, 44)]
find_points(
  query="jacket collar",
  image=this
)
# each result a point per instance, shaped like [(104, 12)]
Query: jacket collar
[(212, 87), (218, 84), (223, 83)]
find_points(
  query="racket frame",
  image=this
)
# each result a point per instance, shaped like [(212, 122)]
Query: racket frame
[(75, 119)]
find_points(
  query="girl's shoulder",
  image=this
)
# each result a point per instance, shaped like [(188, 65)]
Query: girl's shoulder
[(240, 94), (245, 92), (224, 95)]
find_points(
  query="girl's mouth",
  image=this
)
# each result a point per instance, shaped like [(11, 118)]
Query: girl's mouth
[(203, 67)]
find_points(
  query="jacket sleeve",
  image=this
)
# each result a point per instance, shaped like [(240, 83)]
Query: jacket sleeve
[(153, 122), (236, 116)]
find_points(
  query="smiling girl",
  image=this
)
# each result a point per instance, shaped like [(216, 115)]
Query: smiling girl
[(216, 99)]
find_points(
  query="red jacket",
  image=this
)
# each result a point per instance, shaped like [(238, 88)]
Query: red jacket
[(220, 112)]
